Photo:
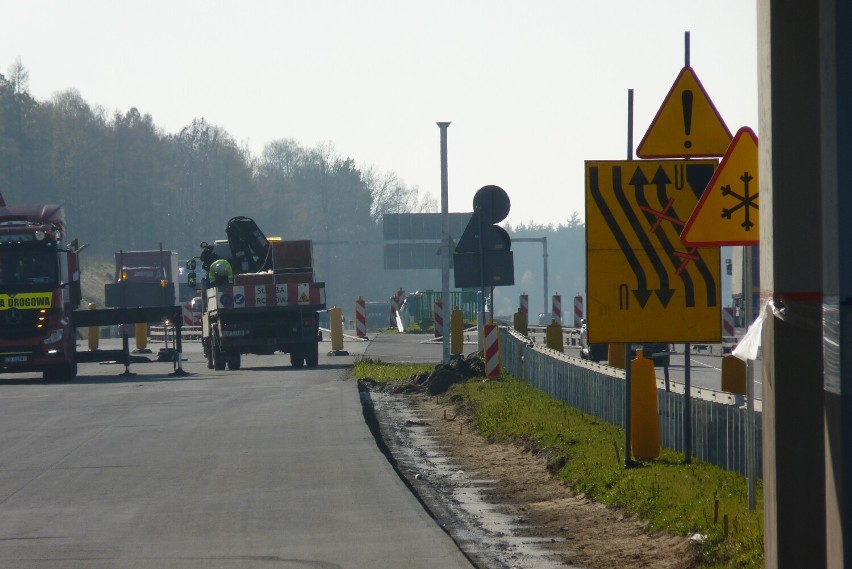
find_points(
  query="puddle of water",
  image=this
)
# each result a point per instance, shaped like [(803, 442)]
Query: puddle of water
[(482, 529)]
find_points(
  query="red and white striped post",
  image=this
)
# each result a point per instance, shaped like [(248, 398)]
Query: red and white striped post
[(438, 312), (578, 311), (556, 309), (393, 306), (186, 313), (492, 350), (361, 318), (728, 327), (524, 303)]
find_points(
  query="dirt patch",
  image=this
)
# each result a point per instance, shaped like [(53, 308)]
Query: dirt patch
[(596, 536), (571, 529)]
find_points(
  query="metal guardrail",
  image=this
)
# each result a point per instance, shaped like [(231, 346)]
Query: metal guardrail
[(167, 333), (718, 424)]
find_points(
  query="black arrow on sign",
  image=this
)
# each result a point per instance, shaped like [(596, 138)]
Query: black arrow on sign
[(656, 219), (623, 244), (638, 181), (639, 231)]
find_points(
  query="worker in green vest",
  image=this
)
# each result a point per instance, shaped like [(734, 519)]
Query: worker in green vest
[(221, 273)]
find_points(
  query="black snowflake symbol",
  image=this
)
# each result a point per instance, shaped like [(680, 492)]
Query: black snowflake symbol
[(746, 200)]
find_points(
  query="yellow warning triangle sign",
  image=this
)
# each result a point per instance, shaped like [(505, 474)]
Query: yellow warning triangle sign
[(687, 124), (727, 213)]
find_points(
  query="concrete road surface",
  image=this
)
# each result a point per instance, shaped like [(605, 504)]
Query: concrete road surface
[(263, 467)]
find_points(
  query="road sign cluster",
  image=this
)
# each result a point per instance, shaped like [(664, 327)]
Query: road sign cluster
[(483, 255), (653, 226)]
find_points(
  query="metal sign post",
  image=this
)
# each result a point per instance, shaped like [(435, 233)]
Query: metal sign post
[(445, 242)]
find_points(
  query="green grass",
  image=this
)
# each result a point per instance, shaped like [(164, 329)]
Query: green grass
[(581, 450), (382, 372)]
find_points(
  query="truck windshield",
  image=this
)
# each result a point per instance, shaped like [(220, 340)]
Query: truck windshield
[(28, 268)]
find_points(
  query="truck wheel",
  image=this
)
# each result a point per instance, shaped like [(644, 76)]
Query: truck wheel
[(312, 359), (234, 363), (218, 357), (297, 360), (205, 345)]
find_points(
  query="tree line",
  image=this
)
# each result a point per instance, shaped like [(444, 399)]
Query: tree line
[(127, 185)]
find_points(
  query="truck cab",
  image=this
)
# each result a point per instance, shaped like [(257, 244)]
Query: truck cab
[(39, 287)]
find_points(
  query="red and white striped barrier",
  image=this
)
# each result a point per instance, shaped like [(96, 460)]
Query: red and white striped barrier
[(395, 302), (578, 311), (393, 306), (492, 350), (524, 304), (439, 318), (556, 309), (186, 313), (361, 318), (728, 323), (268, 296)]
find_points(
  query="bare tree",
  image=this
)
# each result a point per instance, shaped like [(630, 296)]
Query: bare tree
[(19, 77)]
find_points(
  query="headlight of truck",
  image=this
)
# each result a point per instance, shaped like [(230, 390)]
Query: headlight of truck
[(55, 336)]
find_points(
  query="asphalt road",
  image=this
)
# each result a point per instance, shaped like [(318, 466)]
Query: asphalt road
[(264, 467)]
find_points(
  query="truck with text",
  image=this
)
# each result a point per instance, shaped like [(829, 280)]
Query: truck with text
[(39, 289), (269, 303)]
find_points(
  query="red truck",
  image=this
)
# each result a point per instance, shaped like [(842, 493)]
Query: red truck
[(271, 305), (39, 289)]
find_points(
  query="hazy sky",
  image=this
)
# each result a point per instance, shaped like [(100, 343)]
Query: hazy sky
[(532, 88)]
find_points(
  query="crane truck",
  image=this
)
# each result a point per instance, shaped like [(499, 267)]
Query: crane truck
[(271, 305)]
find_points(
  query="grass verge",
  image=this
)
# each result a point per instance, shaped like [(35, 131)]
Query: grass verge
[(588, 454)]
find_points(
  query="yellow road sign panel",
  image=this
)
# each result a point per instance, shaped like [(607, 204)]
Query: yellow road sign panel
[(642, 283), (727, 213), (687, 124)]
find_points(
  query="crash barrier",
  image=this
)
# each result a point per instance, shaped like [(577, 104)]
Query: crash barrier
[(718, 427), (571, 335), (162, 333)]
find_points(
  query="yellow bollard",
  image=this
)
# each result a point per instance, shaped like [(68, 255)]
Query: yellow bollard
[(615, 355), (521, 325), (335, 324), (94, 331), (553, 336), (733, 375), (644, 418), (142, 335), (457, 331)]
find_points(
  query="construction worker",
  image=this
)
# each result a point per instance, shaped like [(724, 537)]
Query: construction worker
[(221, 273)]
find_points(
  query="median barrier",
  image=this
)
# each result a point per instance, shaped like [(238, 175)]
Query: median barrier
[(719, 419)]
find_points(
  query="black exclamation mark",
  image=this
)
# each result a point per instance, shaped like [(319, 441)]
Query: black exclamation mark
[(686, 100)]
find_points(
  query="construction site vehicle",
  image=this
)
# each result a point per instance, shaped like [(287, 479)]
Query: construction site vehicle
[(143, 278), (272, 304), (39, 287), (40, 292)]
